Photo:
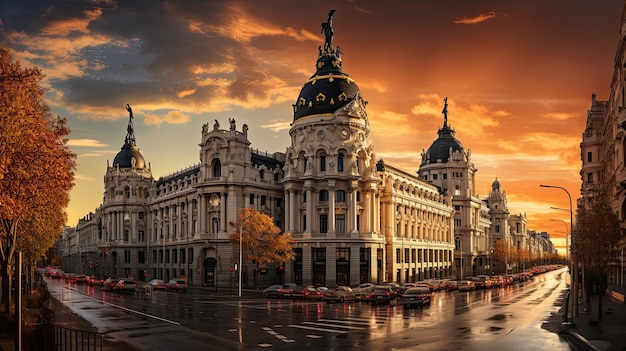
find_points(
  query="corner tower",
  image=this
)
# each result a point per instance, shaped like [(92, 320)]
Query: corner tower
[(330, 172), (122, 217)]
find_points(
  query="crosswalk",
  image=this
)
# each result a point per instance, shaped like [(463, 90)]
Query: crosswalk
[(337, 326)]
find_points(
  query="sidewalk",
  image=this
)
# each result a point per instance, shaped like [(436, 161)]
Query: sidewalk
[(64, 317), (607, 335)]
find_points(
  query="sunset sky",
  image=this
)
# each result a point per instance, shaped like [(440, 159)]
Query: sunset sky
[(518, 75)]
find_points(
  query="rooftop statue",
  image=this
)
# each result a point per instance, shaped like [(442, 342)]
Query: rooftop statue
[(327, 29), (130, 135)]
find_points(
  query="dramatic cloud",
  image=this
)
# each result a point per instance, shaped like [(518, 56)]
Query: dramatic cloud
[(477, 19)]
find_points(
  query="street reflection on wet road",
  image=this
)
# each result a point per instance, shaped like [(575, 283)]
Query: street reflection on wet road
[(509, 317)]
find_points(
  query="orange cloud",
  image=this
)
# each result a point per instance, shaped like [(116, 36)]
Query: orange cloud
[(477, 19)]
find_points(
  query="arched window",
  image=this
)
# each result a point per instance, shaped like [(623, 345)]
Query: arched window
[(217, 168), (340, 196), (322, 163), (323, 195), (457, 243), (340, 162)]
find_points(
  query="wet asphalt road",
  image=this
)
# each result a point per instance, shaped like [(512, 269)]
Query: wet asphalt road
[(507, 318)]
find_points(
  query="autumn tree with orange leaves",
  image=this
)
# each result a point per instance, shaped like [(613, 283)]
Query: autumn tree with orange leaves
[(36, 168), (263, 243)]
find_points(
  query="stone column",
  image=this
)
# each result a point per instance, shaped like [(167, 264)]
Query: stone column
[(331, 209)]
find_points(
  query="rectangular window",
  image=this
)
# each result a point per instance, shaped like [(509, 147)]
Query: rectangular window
[(497, 229), (174, 256), (434, 176), (590, 177), (126, 235), (323, 223), (589, 156), (445, 176), (141, 215), (251, 201), (304, 223), (154, 256), (141, 257), (406, 255), (322, 163), (167, 256), (340, 223), (126, 256), (398, 253), (190, 255), (182, 255), (279, 203), (457, 222), (141, 236), (263, 199)]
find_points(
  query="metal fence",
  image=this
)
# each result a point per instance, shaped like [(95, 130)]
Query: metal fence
[(44, 335)]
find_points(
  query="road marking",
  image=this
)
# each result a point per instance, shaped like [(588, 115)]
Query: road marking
[(333, 325), (132, 311), (344, 322), (318, 329), (277, 335)]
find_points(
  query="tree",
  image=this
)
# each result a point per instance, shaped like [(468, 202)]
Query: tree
[(595, 238), (500, 254), (36, 167), (262, 241)]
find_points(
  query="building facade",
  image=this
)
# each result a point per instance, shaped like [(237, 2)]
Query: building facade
[(353, 217), (603, 150)]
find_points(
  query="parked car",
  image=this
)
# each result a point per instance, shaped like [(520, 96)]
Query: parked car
[(381, 294), (109, 284), (95, 281), (294, 291), (452, 285), (81, 278), (176, 284), (311, 293), (273, 291), (362, 290), (157, 284), (395, 287), (125, 286), (466, 285), (339, 294), (482, 282), (415, 296)]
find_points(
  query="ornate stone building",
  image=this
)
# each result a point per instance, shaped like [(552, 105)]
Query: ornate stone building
[(449, 166), (353, 217), (603, 150)]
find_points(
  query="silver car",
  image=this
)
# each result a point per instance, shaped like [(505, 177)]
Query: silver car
[(339, 294)]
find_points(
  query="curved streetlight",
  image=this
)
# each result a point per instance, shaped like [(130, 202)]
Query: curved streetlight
[(573, 257), (566, 236)]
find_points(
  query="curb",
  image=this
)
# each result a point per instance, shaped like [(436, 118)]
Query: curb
[(581, 343)]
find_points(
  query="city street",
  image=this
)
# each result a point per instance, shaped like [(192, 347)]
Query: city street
[(200, 319)]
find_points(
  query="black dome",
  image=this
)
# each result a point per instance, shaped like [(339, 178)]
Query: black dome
[(329, 89), (124, 158), (440, 149)]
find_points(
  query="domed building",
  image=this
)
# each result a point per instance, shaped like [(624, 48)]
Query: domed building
[(448, 165), (354, 218), (354, 221)]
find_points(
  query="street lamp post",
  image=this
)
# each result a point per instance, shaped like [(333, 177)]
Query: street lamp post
[(566, 233), (574, 264), (240, 254)]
